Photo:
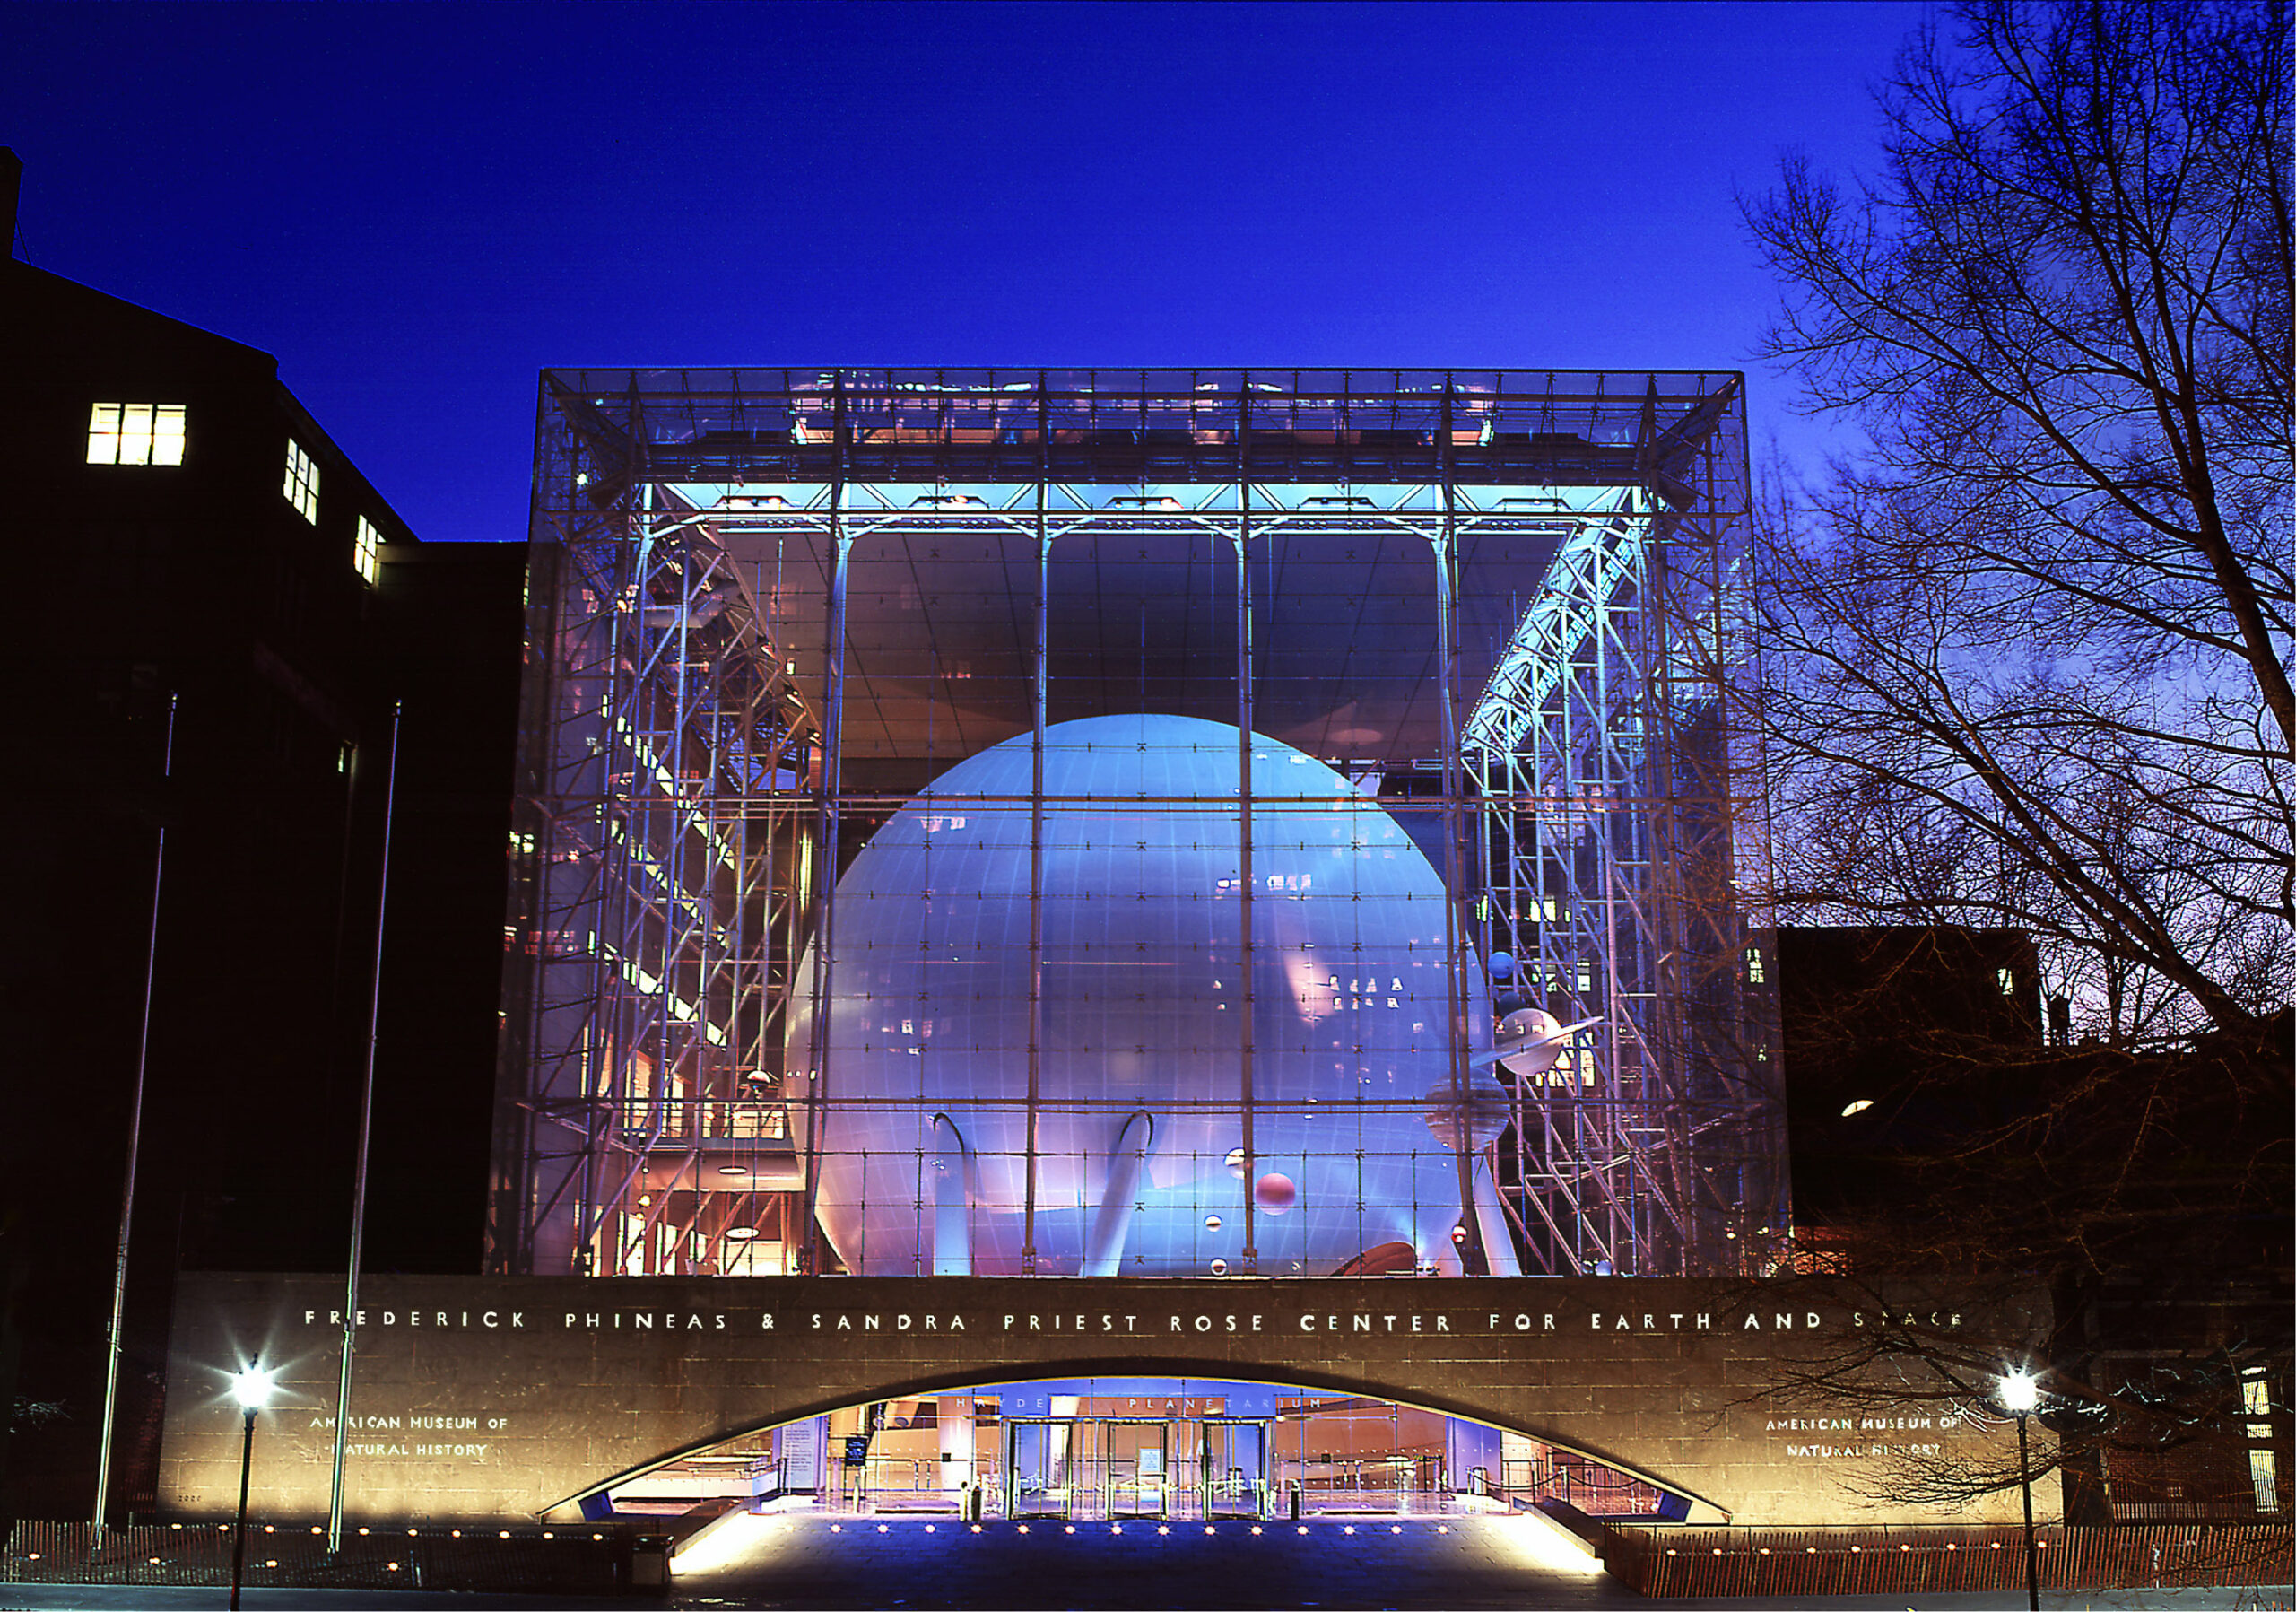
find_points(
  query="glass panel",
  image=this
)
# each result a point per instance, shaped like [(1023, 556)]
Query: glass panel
[(168, 435), (1042, 1469), (103, 434), (1138, 1482), (135, 434), (1235, 1468)]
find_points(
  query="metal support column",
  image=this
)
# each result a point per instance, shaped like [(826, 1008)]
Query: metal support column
[(1246, 1032), (826, 836), (1037, 693)]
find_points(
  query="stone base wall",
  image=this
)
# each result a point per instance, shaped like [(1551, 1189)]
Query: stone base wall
[(509, 1399)]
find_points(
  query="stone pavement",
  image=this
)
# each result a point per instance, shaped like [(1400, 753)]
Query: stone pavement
[(810, 1561)]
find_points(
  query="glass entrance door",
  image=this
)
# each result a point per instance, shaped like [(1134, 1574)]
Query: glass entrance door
[(1139, 1479), (1039, 1468), (1235, 1468)]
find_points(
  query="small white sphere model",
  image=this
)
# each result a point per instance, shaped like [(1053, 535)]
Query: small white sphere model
[(1530, 1039)]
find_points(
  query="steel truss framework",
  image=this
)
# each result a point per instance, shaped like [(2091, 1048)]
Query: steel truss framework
[(695, 767)]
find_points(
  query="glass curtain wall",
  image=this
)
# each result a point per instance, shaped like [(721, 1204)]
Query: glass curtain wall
[(1123, 823)]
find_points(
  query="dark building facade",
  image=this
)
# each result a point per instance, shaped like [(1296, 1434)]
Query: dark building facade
[(233, 611), (1941, 1118)]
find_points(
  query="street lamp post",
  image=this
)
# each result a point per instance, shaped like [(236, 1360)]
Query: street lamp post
[(252, 1388), (2020, 1395)]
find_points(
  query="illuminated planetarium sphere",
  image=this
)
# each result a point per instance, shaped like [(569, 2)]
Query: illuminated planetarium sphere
[(924, 1139)]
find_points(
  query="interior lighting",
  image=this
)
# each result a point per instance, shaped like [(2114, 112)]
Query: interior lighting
[(300, 485), (740, 1233), (135, 433), (367, 551), (732, 1169), (1857, 1107)]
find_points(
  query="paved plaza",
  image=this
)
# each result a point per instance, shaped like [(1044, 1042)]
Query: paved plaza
[(799, 1560)]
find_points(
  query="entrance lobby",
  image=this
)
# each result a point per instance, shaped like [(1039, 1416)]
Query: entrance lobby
[(1092, 1469), (1114, 1450)]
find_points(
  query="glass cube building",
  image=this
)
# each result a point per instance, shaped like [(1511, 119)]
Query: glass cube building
[(1131, 823)]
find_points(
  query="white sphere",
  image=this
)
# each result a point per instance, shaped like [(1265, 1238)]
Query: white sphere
[(1143, 1004)]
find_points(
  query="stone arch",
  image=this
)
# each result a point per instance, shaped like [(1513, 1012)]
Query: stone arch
[(1697, 1507)]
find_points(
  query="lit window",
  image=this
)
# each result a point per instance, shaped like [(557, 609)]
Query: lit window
[(367, 551), (301, 486), (2007, 980), (135, 433), (1753, 965)]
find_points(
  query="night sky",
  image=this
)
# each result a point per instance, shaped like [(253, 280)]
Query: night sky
[(416, 207)]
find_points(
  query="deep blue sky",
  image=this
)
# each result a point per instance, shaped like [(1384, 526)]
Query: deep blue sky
[(418, 206)]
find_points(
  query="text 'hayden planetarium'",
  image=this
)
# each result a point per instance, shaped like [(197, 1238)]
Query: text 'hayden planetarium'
[(1122, 822)]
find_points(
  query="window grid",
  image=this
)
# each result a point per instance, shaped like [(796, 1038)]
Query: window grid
[(367, 551), (301, 486), (135, 433)]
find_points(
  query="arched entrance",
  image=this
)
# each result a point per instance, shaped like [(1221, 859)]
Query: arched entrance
[(1118, 1446), (516, 1397)]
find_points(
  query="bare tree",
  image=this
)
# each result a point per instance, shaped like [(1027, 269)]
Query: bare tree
[(2116, 1224), (2029, 646)]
